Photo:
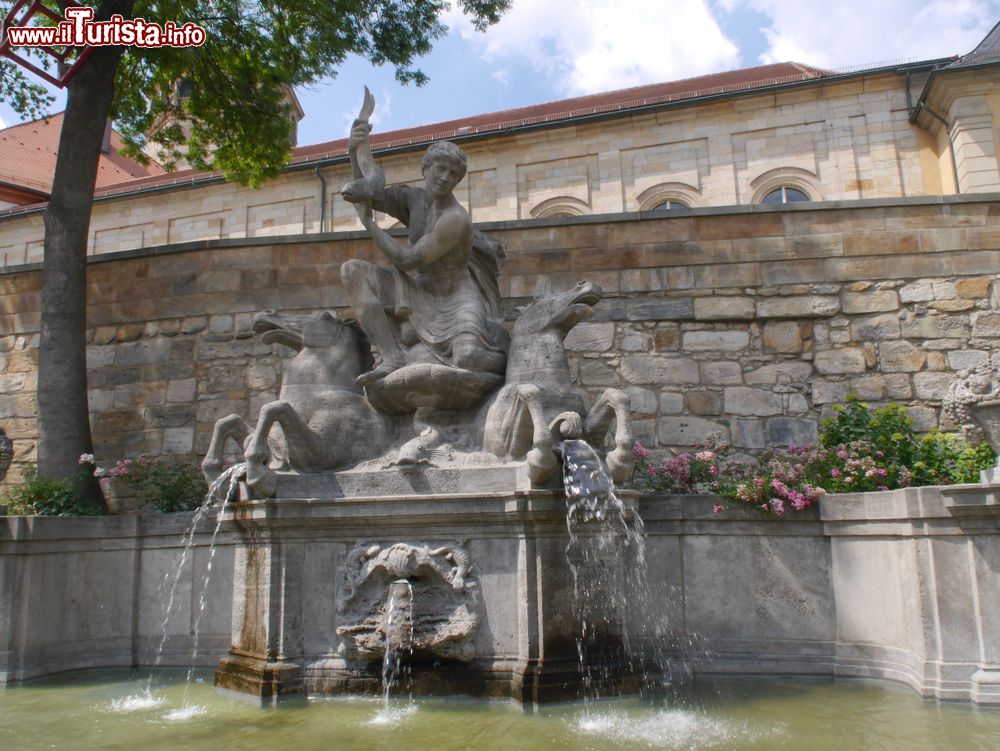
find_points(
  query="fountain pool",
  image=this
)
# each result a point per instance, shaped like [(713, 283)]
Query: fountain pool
[(108, 709)]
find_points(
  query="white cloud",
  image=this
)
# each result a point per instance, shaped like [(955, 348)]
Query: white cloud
[(856, 32), (383, 109), (381, 115), (587, 46)]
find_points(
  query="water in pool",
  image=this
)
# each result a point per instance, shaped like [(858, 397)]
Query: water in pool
[(111, 710)]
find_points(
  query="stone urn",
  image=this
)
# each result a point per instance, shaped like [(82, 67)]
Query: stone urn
[(119, 495), (986, 416)]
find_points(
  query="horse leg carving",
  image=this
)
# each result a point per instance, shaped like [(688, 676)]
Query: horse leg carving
[(613, 405), (304, 447), (527, 417), (234, 427)]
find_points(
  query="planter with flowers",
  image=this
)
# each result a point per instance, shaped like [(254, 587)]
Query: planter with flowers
[(119, 494), (860, 450)]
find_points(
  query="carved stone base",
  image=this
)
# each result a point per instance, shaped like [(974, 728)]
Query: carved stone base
[(986, 685), (492, 609), (259, 677)]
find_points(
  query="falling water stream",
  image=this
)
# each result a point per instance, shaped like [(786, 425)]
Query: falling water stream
[(607, 557), (398, 627), (229, 480)]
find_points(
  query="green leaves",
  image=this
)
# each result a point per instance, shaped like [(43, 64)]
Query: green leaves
[(167, 485), (43, 496), (236, 118)]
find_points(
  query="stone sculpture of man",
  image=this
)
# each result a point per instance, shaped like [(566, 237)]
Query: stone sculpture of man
[(433, 303)]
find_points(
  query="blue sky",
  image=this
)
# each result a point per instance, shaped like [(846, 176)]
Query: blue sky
[(544, 50)]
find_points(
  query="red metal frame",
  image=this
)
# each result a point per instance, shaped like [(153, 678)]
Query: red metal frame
[(32, 8)]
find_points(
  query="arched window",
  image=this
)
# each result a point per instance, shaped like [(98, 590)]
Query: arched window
[(785, 194), (670, 205), (560, 206), (668, 196), (785, 185)]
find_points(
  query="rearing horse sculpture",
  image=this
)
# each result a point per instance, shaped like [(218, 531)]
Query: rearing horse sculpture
[(539, 405), (320, 410)]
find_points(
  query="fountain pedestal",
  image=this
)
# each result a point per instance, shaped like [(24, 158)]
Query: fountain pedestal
[(493, 597)]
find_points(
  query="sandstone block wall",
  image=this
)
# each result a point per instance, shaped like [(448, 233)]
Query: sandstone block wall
[(752, 323)]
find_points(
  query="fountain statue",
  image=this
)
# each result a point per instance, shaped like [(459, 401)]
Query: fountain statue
[(973, 403), (419, 450)]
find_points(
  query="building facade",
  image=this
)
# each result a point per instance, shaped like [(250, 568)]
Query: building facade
[(775, 133)]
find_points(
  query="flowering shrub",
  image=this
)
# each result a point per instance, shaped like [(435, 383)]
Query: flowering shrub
[(680, 474), (858, 466), (880, 450), (860, 450), (779, 481), (782, 480), (119, 469)]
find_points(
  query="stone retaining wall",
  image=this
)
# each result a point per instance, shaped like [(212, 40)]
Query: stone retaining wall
[(902, 585), (750, 321), (93, 592)]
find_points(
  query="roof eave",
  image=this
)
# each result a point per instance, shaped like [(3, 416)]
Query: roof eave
[(917, 114)]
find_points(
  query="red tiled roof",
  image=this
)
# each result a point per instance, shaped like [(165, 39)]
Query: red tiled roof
[(592, 104), (28, 157), (623, 99)]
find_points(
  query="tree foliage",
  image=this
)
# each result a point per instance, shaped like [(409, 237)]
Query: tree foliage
[(237, 78)]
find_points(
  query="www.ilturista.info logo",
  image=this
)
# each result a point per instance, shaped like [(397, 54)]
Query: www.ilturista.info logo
[(79, 29)]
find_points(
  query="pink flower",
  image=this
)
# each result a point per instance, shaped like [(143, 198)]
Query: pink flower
[(705, 456), (842, 454), (834, 472), (718, 508), (639, 451), (713, 470)]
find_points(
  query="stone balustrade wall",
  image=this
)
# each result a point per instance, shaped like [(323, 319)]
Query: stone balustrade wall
[(747, 321)]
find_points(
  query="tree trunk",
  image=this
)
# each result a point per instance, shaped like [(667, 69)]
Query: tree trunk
[(63, 413)]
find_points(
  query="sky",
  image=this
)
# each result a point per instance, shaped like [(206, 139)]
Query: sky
[(544, 50)]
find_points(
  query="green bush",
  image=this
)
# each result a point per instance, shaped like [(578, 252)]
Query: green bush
[(166, 486), (888, 429), (948, 458), (880, 450), (42, 496)]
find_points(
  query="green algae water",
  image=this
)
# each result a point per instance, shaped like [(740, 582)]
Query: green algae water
[(111, 710)]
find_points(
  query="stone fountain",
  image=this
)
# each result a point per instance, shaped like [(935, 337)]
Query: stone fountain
[(419, 449)]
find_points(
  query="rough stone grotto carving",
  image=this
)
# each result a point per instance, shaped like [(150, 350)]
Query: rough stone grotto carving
[(446, 604)]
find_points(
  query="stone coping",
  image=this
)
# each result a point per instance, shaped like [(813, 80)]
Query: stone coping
[(514, 224), (952, 509)]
